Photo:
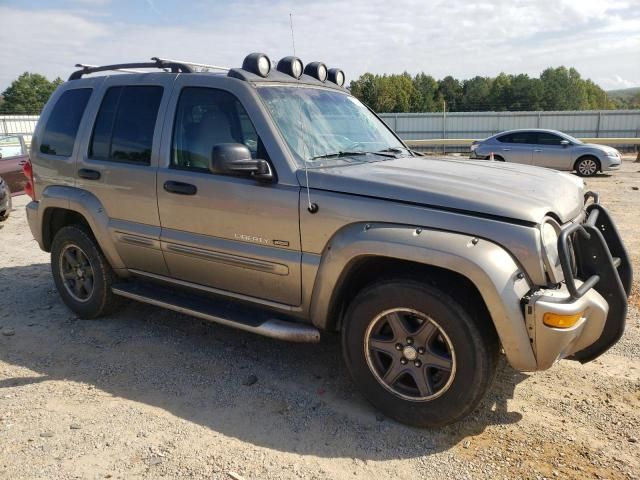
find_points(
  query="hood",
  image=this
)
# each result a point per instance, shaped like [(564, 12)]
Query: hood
[(512, 191), (603, 148)]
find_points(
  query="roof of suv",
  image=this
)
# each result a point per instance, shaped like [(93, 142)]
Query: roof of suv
[(274, 76)]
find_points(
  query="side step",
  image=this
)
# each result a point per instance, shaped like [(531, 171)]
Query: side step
[(221, 311)]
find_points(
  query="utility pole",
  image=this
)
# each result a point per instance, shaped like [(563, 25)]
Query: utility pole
[(444, 125)]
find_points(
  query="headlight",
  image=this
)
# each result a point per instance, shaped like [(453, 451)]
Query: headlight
[(613, 153), (474, 146), (549, 232)]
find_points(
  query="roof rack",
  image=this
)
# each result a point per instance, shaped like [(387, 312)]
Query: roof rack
[(174, 67), (194, 64)]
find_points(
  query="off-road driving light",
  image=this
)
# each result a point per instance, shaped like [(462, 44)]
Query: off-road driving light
[(257, 63), (557, 320), (336, 76), (317, 70), (290, 66)]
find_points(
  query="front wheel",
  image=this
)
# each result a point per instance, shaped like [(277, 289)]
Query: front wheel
[(416, 354), (587, 167)]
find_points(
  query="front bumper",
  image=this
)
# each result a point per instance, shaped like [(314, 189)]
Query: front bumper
[(611, 163), (598, 277)]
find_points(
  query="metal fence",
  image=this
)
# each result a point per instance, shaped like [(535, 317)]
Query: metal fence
[(18, 125), (469, 125), (478, 125)]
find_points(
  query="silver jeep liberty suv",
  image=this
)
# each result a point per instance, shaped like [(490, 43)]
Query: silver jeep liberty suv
[(271, 200)]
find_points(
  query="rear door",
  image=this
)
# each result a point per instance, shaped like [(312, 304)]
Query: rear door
[(549, 152), (119, 163), (12, 156), (516, 147)]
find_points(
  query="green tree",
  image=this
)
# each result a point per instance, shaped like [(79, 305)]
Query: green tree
[(364, 88), (557, 89), (28, 93), (451, 90), (475, 93), (427, 89), (500, 93)]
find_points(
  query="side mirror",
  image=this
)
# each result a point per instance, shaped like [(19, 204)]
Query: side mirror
[(235, 159), (565, 143)]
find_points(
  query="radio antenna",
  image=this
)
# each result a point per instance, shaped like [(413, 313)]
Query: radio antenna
[(311, 207), (293, 40)]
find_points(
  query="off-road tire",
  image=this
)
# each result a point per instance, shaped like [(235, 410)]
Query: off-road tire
[(101, 301), (475, 344)]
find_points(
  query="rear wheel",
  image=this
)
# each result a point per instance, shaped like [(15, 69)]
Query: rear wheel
[(416, 354), (81, 273), (587, 166)]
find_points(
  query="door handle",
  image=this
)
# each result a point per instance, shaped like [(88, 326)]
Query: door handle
[(506, 149), (89, 174), (180, 188), (537, 150)]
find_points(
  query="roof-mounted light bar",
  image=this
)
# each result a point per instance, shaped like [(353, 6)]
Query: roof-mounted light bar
[(317, 70), (335, 75), (291, 66), (257, 63)]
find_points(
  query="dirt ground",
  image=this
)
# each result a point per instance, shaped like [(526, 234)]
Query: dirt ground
[(148, 393)]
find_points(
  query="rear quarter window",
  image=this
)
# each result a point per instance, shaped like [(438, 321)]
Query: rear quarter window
[(61, 129)]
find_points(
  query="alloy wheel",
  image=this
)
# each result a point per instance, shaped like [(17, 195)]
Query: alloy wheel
[(410, 354), (77, 273), (587, 167)]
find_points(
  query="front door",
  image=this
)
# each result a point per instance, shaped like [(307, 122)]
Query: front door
[(550, 152), (229, 233)]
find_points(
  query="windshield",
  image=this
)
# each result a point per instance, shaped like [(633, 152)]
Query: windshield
[(324, 127)]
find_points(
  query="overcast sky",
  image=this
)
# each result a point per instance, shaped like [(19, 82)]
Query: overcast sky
[(451, 37)]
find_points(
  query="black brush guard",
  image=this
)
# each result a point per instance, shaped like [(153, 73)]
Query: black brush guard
[(602, 263)]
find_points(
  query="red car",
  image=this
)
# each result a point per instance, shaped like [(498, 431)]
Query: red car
[(13, 155)]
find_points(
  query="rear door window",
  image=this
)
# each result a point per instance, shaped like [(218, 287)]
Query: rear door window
[(124, 128), (10, 146), (519, 137), (61, 129)]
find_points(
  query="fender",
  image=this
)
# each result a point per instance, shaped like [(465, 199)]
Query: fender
[(87, 205), (499, 279)]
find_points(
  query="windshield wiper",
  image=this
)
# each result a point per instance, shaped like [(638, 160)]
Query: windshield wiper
[(339, 154), (397, 150)]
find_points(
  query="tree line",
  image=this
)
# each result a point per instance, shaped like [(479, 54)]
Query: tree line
[(27, 94), (556, 89)]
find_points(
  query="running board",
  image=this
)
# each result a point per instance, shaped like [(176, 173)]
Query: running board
[(220, 311)]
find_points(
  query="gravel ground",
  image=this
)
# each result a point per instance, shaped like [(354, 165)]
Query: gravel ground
[(148, 393)]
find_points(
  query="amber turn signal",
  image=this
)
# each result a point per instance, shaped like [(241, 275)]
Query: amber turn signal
[(561, 321)]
